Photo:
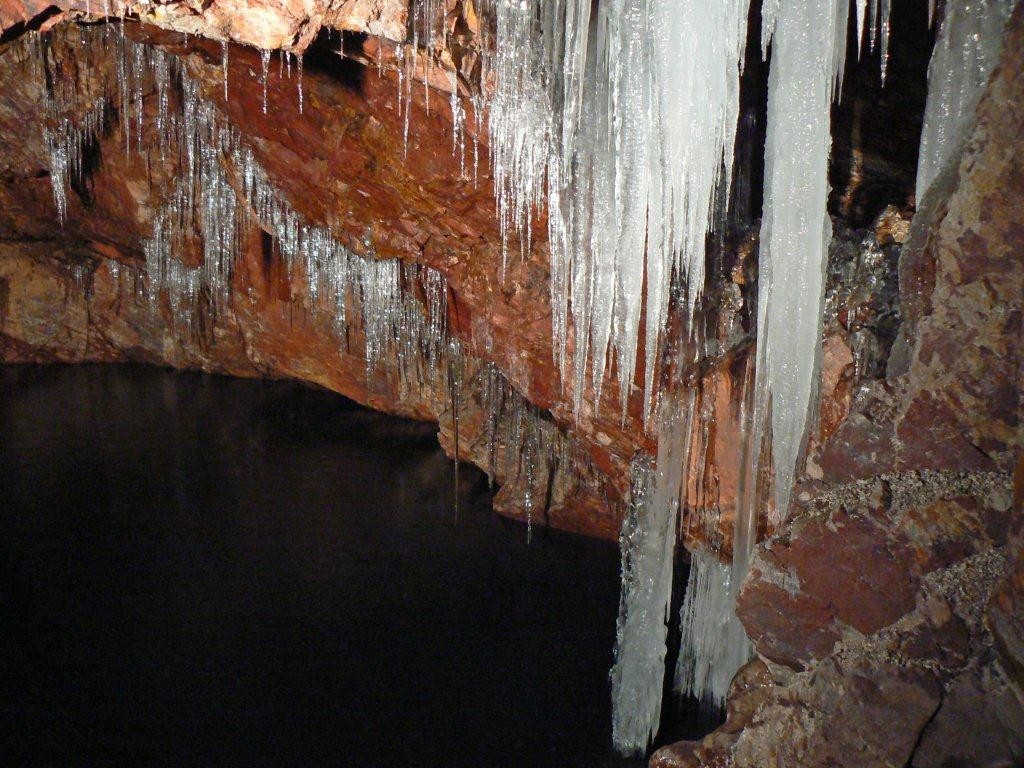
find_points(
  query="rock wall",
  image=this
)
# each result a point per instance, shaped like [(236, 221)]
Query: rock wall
[(341, 163), (886, 608)]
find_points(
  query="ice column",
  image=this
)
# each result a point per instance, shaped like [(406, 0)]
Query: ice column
[(713, 644), (647, 543), (807, 39), (970, 38)]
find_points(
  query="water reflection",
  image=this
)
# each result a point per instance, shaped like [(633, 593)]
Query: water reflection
[(209, 571)]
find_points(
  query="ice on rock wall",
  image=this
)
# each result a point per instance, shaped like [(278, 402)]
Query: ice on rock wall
[(713, 644), (394, 312), (65, 149), (808, 49), (620, 119), (966, 50)]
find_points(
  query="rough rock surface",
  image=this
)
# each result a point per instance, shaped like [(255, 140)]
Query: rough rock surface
[(887, 606), (340, 163), (290, 24)]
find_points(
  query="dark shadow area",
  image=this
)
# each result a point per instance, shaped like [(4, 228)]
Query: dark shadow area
[(876, 129), (210, 571), (326, 56), (18, 29), (747, 186)]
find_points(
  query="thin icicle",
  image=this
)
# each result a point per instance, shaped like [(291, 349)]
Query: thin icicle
[(224, 66), (454, 391), (65, 150), (265, 64), (884, 14)]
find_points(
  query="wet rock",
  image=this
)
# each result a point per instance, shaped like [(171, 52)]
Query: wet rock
[(678, 755), (863, 716), (888, 602), (994, 737)]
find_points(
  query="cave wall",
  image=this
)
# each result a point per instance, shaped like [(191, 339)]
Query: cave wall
[(342, 162), (885, 609), (884, 606)]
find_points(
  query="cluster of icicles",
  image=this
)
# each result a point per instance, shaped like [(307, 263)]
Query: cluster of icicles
[(222, 196), (618, 120)]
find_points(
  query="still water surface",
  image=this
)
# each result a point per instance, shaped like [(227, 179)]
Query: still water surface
[(219, 572)]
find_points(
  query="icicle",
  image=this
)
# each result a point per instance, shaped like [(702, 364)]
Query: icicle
[(647, 544), (714, 645), (795, 230), (454, 385), (224, 66), (458, 122), (625, 140), (265, 61), (65, 149), (967, 49), (299, 68), (862, 12), (884, 14)]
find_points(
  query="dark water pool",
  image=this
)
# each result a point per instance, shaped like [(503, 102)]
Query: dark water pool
[(218, 572)]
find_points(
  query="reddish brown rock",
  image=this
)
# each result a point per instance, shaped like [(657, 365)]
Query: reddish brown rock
[(287, 24), (891, 594)]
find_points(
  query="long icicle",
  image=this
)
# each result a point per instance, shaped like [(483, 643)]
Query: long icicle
[(968, 45)]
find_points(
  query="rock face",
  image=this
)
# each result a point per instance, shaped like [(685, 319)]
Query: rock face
[(292, 24), (887, 606), (340, 163)]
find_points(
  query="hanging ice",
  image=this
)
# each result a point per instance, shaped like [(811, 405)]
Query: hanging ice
[(647, 543), (65, 149), (808, 47), (713, 643), (970, 38), (621, 120)]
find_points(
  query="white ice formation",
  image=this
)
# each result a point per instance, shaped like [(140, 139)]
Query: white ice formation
[(620, 121), (647, 544), (966, 50), (713, 644)]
